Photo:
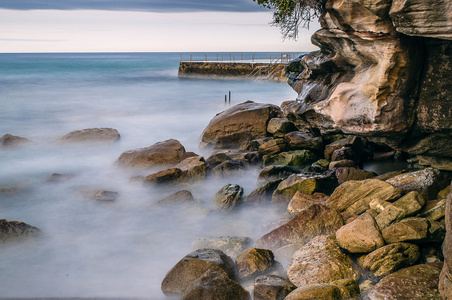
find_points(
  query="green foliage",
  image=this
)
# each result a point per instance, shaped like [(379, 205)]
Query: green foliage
[(289, 15)]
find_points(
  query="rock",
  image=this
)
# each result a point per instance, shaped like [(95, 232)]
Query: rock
[(226, 198), (348, 144), (428, 182), (411, 203), (247, 116), (320, 261), (272, 173), (253, 145), (193, 266), (227, 169), (167, 153), (315, 291), (100, 195), (320, 166), (216, 159), (422, 18), (273, 147), (389, 215), (346, 163), (294, 158), (232, 140), (349, 288), (391, 258), (344, 153), (346, 174), (389, 175), (11, 190), (14, 231), (9, 141), (169, 176), (272, 287), (253, 262), (301, 201), (298, 140), (444, 193), (215, 285), (407, 230), (262, 194), (194, 168), (362, 235), (246, 158), (56, 178), (230, 245), (91, 135), (278, 127), (304, 183), (440, 163), (284, 254), (445, 285), (180, 197), (352, 198), (415, 282), (435, 213), (307, 224)]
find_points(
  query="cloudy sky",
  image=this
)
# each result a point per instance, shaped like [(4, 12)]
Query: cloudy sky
[(141, 25)]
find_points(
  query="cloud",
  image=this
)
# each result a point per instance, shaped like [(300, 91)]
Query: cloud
[(136, 5)]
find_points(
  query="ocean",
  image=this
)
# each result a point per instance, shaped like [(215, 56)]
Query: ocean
[(124, 249)]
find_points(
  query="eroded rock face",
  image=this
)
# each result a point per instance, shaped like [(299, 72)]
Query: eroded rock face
[(247, 116)]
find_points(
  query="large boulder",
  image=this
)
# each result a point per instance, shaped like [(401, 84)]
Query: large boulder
[(320, 261), (316, 220), (193, 266), (91, 135), (227, 198), (247, 116), (194, 168), (353, 197), (14, 231), (214, 285), (417, 282), (166, 153), (362, 235), (301, 201), (253, 262)]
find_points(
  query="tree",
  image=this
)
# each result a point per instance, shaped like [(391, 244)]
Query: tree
[(289, 15)]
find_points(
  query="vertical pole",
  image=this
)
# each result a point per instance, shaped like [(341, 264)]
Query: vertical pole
[(230, 57), (222, 58), (233, 58), (181, 57), (206, 57), (229, 97), (225, 99), (191, 57)]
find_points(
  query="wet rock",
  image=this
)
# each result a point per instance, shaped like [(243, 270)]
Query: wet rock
[(246, 158), (391, 258), (253, 262), (226, 198), (315, 291), (91, 135), (301, 201), (307, 224), (349, 288), (427, 182), (320, 166), (194, 168), (294, 158), (444, 193), (247, 116), (298, 140), (10, 141), (216, 159), (352, 198), (232, 140), (445, 285), (180, 197), (253, 145), (344, 153), (272, 173), (320, 261), (57, 177), (230, 245), (193, 266), (346, 174), (262, 194), (346, 163), (362, 235), (272, 287), (273, 147), (278, 127), (415, 282), (304, 183), (349, 143), (169, 176), (435, 213), (215, 285), (166, 153), (14, 231), (227, 168), (407, 230)]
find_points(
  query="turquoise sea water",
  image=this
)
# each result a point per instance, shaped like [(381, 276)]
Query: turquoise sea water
[(123, 249)]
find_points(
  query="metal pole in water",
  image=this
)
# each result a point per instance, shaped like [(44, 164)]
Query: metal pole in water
[(229, 97), (225, 99)]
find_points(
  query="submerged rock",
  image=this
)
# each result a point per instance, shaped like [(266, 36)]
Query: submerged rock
[(262, 194), (166, 153), (226, 198), (91, 135), (247, 116), (180, 197), (10, 141), (230, 245)]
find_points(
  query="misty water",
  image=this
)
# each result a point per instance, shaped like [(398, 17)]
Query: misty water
[(122, 249)]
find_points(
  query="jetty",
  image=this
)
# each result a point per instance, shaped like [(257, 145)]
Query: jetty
[(232, 66)]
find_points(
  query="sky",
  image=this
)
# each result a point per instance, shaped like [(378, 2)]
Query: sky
[(142, 26)]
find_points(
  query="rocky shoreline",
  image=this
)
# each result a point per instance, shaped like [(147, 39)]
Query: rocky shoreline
[(344, 233)]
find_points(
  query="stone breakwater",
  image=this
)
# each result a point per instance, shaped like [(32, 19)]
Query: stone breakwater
[(344, 232)]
